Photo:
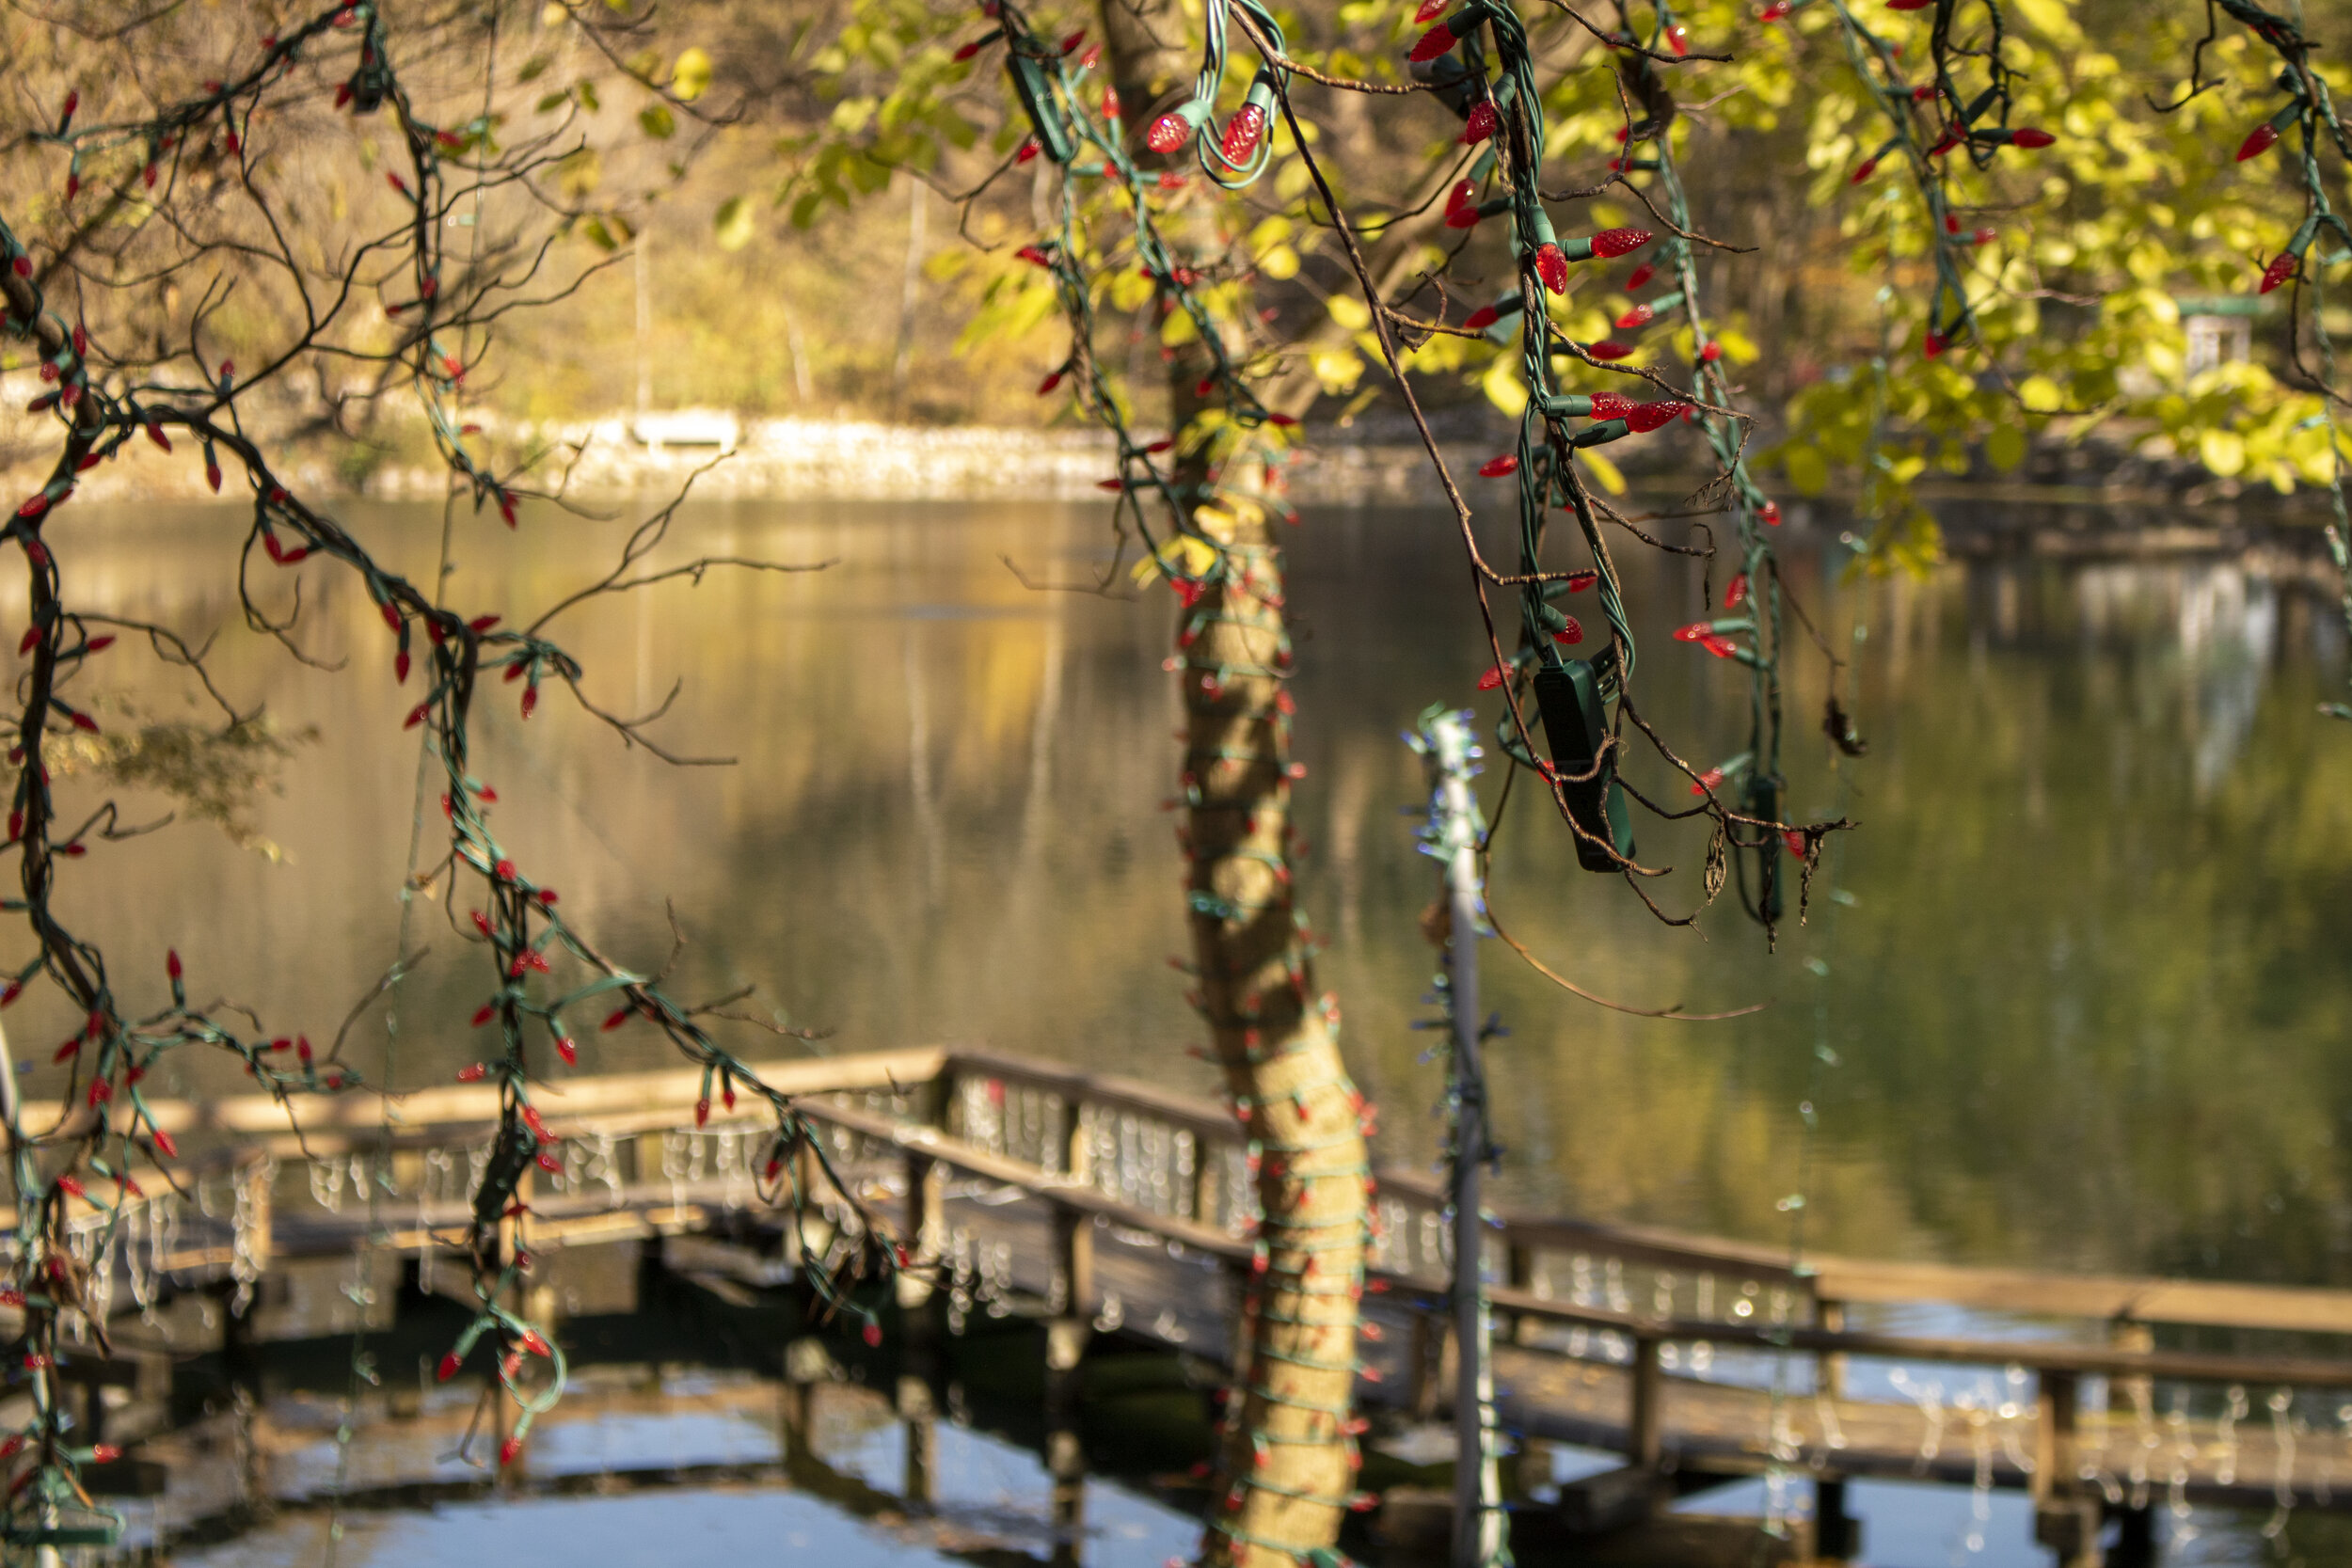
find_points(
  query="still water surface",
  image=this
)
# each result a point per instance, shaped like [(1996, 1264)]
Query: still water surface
[(2087, 1005)]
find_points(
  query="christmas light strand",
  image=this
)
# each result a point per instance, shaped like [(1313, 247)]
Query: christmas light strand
[(106, 1131)]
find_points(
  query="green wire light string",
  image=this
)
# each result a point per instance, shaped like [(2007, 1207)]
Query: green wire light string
[(1543, 453), (96, 423), (2311, 109), (1752, 604), (1089, 144)]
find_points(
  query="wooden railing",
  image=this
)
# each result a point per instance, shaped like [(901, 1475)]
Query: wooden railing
[(1092, 1148)]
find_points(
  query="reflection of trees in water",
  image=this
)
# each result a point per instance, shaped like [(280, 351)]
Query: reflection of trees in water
[(2104, 1028)]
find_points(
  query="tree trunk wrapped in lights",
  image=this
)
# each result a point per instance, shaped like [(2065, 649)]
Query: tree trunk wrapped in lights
[(1287, 1470), (1287, 1462)]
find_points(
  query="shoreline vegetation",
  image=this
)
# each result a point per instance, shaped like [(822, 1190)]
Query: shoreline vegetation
[(2078, 512)]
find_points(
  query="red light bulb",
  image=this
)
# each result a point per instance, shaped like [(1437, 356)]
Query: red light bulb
[(1481, 124), (1610, 244), (1498, 467), (1241, 133), (1551, 265), (2258, 141), (1167, 133)]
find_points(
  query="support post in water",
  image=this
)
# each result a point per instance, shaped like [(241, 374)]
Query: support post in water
[(1453, 837)]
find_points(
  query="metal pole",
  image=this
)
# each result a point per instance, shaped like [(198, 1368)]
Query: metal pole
[(1453, 834)]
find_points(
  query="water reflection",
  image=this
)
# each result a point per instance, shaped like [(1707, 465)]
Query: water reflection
[(2085, 1003)]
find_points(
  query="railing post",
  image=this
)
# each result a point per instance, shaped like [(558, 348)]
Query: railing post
[(1077, 1158), (1645, 1414), (939, 1097), (2139, 1391), (1829, 1368), (926, 1237), (1067, 1329), (1837, 1534), (2063, 1518), (1072, 1292), (1205, 1157), (1520, 1272), (1430, 1332)]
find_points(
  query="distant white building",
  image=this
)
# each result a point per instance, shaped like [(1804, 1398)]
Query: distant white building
[(2220, 330), (687, 427)]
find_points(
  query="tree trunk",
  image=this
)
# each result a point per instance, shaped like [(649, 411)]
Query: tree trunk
[(1286, 1468)]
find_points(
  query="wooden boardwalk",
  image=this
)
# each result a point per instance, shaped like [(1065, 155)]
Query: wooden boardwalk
[(1116, 1207)]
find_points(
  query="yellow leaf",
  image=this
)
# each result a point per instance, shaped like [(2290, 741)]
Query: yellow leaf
[(736, 225), (577, 173), (1178, 329), (1130, 289), (1221, 517), (2223, 451), (1605, 471), (1338, 370), (1349, 312), (1185, 556), (2041, 394), (690, 77), (1504, 388), (1280, 264), (1808, 470)]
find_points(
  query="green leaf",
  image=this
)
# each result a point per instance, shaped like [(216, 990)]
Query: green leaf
[(658, 121), (598, 235), (2005, 447), (735, 226), (585, 91), (690, 78), (552, 100), (535, 67), (597, 988), (1808, 470)]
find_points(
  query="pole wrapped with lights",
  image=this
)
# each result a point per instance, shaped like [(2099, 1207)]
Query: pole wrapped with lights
[(1453, 833)]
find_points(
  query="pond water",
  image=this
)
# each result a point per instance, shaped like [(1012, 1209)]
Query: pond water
[(2080, 1002), (2086, 1005)]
